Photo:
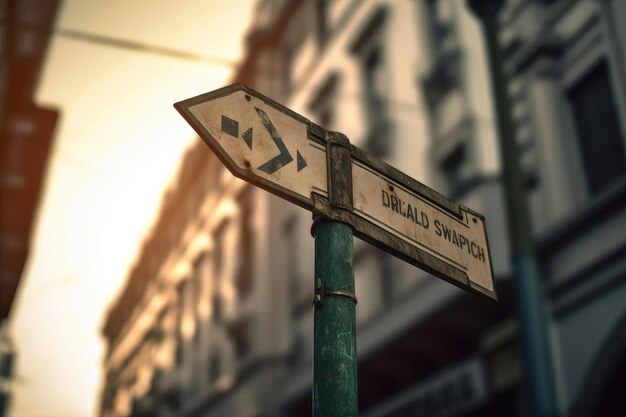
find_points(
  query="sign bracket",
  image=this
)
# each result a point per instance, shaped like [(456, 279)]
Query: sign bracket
[(339, 163)]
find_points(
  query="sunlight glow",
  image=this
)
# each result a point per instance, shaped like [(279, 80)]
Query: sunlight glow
[(116, 148)]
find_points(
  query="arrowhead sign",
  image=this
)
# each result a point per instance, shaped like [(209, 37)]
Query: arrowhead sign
[(260, 141), (274, 148)]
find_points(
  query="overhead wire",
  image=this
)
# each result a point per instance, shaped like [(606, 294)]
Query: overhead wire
[(146, 48), (142, 47), (122, 43)]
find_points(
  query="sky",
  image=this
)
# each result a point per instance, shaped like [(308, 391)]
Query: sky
[(117, 147)]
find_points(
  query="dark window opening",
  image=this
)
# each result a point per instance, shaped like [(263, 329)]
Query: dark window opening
[(599, 136), (445, 73), (197, 285), (218, 254), (218, 266), (245, 279), (218, 306), (372, 68), (377, 140), (215, 367), (388, 273), (240, 334), (322, 21), (453, 166), (180, 317), (323, 105), (369, 49)]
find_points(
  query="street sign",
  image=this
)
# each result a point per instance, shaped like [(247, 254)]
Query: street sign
[(272, 147), (260, 142)]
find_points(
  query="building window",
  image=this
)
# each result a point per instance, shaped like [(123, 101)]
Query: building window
[(290, 44), (246, 254), (198, 291), (323, 105), (600, 139), (182, 300), (440, 16), (369, 48), (373, 77), (218, 255), (453, 166), (444, 75), (322, 21), (300, 297), (215, 366), (240, 335), (389, 272), (218, 266)]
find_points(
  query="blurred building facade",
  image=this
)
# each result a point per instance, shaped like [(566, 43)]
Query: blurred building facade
[(216, 316), (26, 133), (566, 65)]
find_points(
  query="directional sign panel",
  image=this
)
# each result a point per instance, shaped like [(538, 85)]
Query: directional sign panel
[(457, 239), (274, 148), (260, 142)]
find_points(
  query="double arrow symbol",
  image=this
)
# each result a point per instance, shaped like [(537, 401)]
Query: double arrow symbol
[(231, 127)]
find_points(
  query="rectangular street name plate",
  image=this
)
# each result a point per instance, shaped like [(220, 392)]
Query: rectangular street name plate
[(274, 148), (458, 241)]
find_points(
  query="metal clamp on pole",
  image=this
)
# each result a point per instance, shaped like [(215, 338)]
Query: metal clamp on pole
[(339, 163), (321, 292), (339, 205)]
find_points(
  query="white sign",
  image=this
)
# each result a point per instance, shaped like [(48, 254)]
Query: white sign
[(461, 242), (256, 140), (274, 148)]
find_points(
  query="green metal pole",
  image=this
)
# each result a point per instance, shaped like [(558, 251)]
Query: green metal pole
[(334, 351), (538, 369)]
